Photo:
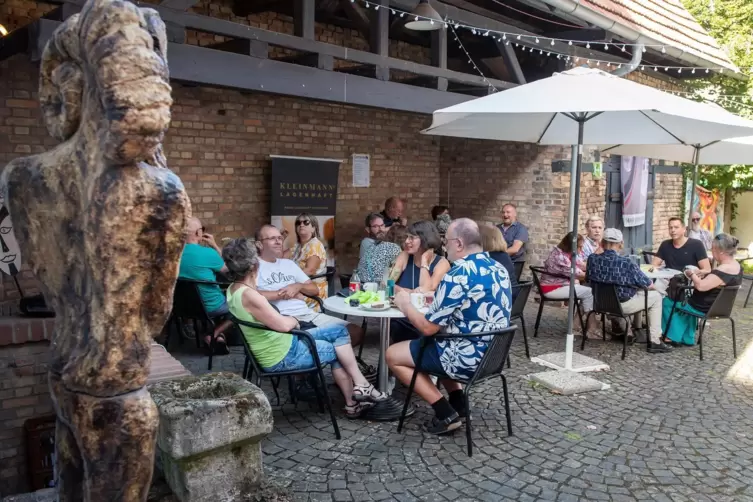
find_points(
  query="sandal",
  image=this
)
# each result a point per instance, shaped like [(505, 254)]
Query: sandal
[(368, 393), (357, 409), (220, 345)]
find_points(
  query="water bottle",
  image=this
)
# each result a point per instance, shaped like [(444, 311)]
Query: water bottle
[(355, 283)]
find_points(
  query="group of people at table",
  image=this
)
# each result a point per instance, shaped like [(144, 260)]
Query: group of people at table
[(467, 266)]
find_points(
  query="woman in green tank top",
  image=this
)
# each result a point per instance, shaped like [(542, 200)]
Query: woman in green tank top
[(276, 349)]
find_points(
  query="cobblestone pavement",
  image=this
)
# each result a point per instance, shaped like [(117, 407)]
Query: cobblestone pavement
[(671, 428)]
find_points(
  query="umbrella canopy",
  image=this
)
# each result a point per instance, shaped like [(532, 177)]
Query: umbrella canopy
[(619, 111), (717, 153), (587, 106)]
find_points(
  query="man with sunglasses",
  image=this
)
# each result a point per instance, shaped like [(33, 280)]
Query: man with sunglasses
[(697, 232), (201, 261)]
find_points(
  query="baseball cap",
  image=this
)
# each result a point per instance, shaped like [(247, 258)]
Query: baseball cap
[(612, 235)]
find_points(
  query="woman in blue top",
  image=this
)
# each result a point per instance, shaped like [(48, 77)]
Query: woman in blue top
[(417, 269)]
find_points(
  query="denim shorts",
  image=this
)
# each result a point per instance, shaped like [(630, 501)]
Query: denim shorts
[(299, 356), (430, 362)]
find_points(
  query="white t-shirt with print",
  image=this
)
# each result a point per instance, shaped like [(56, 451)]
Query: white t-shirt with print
[(277, 275)]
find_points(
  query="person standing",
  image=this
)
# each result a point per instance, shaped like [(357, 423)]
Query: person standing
[(697, 232), (393, 212), (515, 233)]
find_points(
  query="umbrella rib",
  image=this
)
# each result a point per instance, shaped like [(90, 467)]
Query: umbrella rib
[(662, 127), (547, 127)]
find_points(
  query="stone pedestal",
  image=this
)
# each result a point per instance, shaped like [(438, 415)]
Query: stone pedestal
[(210, 433)]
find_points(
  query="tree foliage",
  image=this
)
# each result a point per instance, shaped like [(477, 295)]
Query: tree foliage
[(730, 23)]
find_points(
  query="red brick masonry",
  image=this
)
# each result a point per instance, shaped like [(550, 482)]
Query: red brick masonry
[(24, 355)]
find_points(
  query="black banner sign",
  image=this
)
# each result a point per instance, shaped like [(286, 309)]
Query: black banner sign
[(302, 185)]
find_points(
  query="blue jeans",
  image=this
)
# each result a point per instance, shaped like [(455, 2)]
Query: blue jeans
[(327, 338)]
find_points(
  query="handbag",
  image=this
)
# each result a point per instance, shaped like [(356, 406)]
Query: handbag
[(677, 288)]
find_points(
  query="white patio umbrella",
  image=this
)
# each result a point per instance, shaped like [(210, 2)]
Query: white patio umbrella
[(715, 153), (587, 106)]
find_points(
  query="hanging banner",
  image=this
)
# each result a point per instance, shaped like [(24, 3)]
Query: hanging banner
[(305, 185), (634, 174)]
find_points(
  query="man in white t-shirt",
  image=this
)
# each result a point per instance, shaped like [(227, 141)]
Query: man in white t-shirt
[(283, 283)]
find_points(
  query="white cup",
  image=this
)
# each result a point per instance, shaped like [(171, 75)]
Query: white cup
[(417, 300), (371, 287), (381, 295)]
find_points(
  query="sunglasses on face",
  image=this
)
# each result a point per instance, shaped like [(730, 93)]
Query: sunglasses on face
[(696, 220), (302, 223)]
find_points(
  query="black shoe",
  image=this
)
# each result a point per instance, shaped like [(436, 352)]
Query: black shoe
[(659, 348), (446, 426), (459, 408)]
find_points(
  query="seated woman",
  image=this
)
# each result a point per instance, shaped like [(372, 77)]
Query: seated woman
[(309, 253), (558, 288), (277, 350), (379, 258), (420, 245), (706, 287), (495, 245), (419, 268)]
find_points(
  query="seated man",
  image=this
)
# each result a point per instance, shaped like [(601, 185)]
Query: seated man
[(679, 252), (284, 284), (200, 261), (375, 231), (611, 268), (393, 212), (515, 233), (696, 231), (473, 297)]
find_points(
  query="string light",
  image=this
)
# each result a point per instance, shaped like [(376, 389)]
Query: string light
[(471, 61), (552, 41)]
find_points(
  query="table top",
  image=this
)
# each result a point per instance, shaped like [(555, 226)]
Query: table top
[(662, 273), (337, 305)]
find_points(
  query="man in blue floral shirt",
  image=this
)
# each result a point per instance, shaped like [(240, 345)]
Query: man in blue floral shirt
[(611, 268), (473, 297)]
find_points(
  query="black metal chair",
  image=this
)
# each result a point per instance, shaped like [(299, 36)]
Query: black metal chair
[(187, 305), (720, 309), (491, 365), (329, 275), (521, 292), (607, 303), (747, 277), (536, 272), (648, 257), (251, 366), (518, 267)]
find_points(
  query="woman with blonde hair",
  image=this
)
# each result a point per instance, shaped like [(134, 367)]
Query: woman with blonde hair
[(494, 244), (309, 253)]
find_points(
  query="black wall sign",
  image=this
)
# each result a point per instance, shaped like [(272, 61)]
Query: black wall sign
[(304, 186)]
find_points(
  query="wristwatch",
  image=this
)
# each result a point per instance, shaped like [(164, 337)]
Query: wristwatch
[(426, 267)]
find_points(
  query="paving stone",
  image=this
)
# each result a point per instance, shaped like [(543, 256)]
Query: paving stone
[(669, 428)]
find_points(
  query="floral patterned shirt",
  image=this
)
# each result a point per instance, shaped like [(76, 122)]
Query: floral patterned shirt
[(558, 263), (473, 297), (314, 247)]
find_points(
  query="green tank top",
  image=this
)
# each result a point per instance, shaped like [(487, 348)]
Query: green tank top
[(269, 347)]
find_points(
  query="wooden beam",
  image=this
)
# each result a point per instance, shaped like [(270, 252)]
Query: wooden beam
[(178, 4), (379, 41), (357, 15), (303, 18), (439, 54), (203, 66), (253, 48), (321, 61), (511, 61)]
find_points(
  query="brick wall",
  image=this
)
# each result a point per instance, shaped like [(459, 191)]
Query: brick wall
[(24, 355), (668, 196)]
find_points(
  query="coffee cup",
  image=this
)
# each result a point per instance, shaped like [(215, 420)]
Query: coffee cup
[(417, 300), (371, 287)]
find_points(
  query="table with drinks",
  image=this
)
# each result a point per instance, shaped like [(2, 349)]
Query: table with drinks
[(379, 307)]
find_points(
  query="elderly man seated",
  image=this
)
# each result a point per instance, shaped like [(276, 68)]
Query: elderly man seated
[(284, 284), (611, 268), (473, 297)]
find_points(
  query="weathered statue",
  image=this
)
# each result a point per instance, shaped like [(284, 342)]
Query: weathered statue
[(99, 219)]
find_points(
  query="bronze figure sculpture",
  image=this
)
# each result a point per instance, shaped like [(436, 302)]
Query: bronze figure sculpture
[(100, 221)]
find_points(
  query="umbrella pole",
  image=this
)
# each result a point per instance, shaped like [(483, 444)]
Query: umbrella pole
[(692, 188), (575, 203)]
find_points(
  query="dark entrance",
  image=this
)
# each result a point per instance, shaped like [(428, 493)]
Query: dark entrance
[(636, 238)]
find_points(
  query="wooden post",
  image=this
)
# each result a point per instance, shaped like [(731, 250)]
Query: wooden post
[(303, 17), (439, 54)]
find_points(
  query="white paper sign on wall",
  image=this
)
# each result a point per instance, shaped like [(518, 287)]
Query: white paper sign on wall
[(361, 170)]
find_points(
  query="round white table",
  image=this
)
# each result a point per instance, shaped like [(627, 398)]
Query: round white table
[(661, 273), (391, 408)]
